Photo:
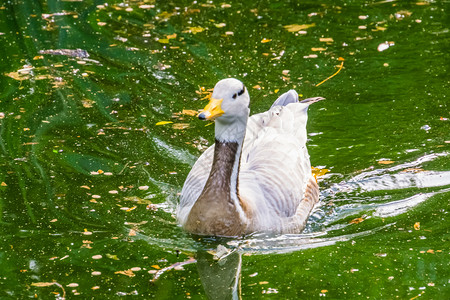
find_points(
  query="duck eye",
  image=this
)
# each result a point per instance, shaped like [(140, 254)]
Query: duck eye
[(234, 96), (241, 91)]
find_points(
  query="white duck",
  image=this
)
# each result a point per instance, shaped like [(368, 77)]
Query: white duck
[(257, 176)]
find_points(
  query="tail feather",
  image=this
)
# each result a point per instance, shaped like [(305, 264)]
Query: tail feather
[(290, 96), (312, 100)]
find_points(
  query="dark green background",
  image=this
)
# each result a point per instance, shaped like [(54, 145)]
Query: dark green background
[(65, 117)]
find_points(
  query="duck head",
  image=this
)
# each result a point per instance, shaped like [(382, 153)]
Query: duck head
[(229, 102)]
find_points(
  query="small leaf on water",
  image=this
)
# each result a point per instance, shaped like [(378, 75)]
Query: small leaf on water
[(42, 284), (297, 27), (156, 267), (128, 273), (264, 40), (195, 30), (318, 172), (163, 123), (72, 284), (356, 221), (189, 112), (326, 40), (131, 208), (385, 162), (180, 126), (112, 256), (417, 226)]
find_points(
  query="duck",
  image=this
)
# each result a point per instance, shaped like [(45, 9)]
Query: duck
[(257, 175)]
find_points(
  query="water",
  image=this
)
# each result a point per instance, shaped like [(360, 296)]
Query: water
[(89, 182)]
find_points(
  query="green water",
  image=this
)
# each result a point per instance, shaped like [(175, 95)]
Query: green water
[(89, 182)]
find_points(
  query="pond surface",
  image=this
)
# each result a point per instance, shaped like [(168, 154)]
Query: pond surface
[(90, 177)]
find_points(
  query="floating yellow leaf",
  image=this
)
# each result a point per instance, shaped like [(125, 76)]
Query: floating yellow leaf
[(156, 267), (385, 162), (326, 40), (297, 27), (417, 226), (263, 282), (132, 232), (163, 41), (112, 256), (196, 30), (317, 172), (128, 273), (318, 49), (42, 284), (180, 126), (163, 123), (220, 25), (165, 15), (264, 40), (172, 36), (356, 221), (132, 208), (430, 251), (189, 112)]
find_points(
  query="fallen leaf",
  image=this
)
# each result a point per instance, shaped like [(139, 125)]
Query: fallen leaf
[(180, 126), (156, 267), (317, 172), (189, 112), (264, 40), (326, 40), (163, 41), (163, 123), (132, 208), (297, 27), (128, 273), (356, 221), (195, 30), (318, 49), (385, 162), (72, 285), (112, 256), (42, 284), (417, 226)]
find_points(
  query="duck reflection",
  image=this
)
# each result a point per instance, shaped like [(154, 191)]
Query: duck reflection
[(220, 273)]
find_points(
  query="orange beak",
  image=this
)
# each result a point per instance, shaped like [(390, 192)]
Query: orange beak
[(212, 110)]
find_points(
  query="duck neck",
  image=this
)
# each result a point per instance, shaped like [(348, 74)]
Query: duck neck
[(218, 210), (227, 157)]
